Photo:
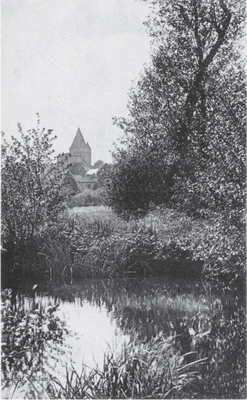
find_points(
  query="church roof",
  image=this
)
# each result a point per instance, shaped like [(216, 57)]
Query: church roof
[(78, 141), (92, 171)]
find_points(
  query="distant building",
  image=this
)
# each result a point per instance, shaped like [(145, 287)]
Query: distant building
[(82, 174), (85, 182), (79, 156), (80, 151)]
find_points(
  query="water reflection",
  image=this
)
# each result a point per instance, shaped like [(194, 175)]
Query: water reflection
[(92, 333), (104, 315)]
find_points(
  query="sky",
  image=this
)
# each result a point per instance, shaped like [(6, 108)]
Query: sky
[(73, 62)]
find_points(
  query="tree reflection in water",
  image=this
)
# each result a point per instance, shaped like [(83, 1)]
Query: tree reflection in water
[(198, 318)]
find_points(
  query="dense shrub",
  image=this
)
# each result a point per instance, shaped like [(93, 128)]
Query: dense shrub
[(87, 198), (164, 241), (31, 196), (213, 240), (95, 246)]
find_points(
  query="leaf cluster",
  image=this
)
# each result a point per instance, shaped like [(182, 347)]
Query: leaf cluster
[(24, 337), (31, 183)]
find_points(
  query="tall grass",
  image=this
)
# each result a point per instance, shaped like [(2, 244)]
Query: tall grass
[(203, 356), (95, 245), (146, 371), (58, 258), (88, 245)]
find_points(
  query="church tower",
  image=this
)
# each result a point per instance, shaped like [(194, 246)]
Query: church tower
[(80, 151)]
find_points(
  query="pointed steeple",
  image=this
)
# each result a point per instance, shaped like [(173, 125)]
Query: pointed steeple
[(78, 141), (80, 151)]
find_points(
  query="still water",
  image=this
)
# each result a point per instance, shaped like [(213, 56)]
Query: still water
[(103, 316)]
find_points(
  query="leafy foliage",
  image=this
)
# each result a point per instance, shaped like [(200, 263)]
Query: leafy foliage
[(24, 338), (184, 138), (103, 246), (138, 178), (31, 195), (164, 241), (88, 197)]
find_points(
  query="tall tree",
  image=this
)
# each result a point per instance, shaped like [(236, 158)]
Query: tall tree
[(187, 109)]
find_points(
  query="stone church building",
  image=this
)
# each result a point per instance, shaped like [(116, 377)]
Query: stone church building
[(80, 151), (82, 175)]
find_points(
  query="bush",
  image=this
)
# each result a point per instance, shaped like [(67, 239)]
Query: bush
[(87, 198), (165, 241), (103, 246), (31, 195)]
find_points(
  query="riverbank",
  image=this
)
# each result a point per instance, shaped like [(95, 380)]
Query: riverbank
[(96, 243)]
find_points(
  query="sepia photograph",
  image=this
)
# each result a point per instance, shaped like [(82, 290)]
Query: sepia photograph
[(123, 199)]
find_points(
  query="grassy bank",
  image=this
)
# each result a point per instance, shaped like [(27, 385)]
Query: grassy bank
[(100, 244), (103, 245), (164, 241)]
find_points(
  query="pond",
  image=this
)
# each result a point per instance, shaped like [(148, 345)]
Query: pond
[(149, 326), (105, 315)]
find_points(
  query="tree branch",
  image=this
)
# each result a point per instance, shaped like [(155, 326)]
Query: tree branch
[(191, 98)]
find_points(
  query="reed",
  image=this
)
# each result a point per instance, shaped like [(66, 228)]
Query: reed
[(150, 371)]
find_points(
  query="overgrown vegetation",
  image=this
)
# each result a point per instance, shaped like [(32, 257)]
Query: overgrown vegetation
[(184, 139), (31, 196), (153, 371), (88, 197), (94, 246), (164, 241), (26, 335)]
